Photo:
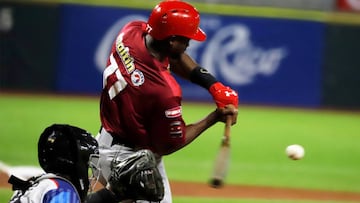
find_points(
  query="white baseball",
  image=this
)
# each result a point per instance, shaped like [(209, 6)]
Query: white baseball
[(295, 151)]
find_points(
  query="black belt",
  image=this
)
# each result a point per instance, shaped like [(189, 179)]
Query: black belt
[(118, 140), (121, 141)]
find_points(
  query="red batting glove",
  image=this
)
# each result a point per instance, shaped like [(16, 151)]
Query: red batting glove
[(223, 95)]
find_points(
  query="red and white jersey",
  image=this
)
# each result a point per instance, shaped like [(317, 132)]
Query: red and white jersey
[(141, 100)]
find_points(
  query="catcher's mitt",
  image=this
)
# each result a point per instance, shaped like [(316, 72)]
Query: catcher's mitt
[(137, 178)]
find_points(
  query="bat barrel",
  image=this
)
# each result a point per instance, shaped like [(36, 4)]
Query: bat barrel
[(222, 159), (216, 183)]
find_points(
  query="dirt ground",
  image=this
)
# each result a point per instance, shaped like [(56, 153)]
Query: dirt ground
[(188, 189)]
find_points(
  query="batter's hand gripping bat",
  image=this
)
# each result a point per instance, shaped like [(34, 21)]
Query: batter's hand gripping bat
[(223, 158)]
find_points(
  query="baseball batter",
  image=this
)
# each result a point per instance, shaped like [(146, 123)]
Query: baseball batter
[(140, 105)]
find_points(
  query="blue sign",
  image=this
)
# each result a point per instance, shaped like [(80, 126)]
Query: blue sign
[(87, 34), (268, 61)]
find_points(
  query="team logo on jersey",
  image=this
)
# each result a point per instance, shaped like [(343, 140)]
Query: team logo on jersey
[(137, 78), (173, 112)]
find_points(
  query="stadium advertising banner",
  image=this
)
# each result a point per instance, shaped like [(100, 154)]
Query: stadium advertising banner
[(268, 61)]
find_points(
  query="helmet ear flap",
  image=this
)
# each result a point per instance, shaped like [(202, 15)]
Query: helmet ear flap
[(55, 152)]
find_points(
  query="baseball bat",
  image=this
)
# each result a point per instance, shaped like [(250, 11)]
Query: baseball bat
[(222, 160)]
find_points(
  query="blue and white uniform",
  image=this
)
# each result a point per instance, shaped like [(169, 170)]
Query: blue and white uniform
[(47, 188)]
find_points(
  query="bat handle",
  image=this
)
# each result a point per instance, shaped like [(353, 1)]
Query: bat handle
[(226, 140)]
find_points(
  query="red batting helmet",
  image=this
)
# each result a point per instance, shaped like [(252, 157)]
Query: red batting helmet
[(175, 17)]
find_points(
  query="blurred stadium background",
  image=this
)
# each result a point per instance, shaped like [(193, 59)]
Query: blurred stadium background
[(300, 53), (283, 53)]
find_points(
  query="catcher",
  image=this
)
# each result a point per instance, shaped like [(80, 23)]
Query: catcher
[(63, 153), (140, 105)]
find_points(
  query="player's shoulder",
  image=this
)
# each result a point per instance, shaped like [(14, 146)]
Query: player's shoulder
[(62, 189), (47, 188), (135, 26), (63, 183), (53, 182)]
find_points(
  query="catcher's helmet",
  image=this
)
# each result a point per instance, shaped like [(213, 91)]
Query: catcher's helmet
[(175, 17), (65, 150)]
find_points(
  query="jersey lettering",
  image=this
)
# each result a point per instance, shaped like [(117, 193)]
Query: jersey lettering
[(124, 54)]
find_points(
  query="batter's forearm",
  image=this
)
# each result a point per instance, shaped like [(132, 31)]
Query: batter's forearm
[(187, 68), (192, 132), (195, 129), (183, 65)]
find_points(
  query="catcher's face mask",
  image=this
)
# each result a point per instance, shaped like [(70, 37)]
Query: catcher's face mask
[(94, 164)]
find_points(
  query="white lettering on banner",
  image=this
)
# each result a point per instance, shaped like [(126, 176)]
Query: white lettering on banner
[(229, 53)]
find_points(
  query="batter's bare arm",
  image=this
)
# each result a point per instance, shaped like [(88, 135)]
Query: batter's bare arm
[(195, 129), (183, 65), (220, 114), (186, 67)]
